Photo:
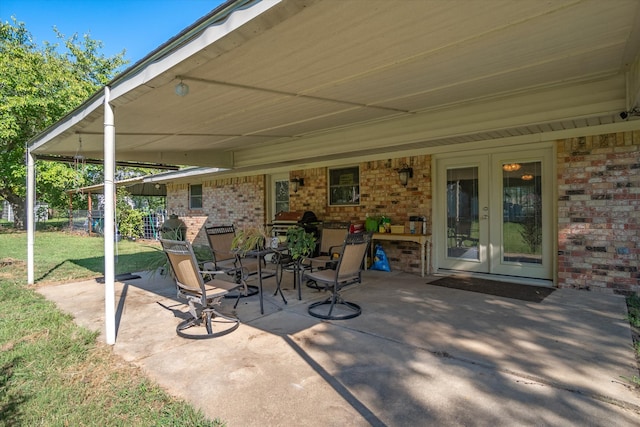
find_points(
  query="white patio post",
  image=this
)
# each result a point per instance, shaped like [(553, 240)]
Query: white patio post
[(109, 220), (30, 215)]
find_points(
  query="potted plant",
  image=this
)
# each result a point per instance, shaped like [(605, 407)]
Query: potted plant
[(300, 243), (249, 239)]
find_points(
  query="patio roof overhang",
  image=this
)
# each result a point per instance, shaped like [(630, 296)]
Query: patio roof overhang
[(284, 83), (277, 83)]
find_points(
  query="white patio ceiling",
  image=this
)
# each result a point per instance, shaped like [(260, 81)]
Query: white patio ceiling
[(292, 82)]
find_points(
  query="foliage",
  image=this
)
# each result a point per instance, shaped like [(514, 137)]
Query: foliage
[(531, 232), (300, 243), (633, 316), (249, 239), (129, 220), (633, 308), (40, 85)]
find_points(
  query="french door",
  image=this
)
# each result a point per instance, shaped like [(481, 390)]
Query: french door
[(494, 213)]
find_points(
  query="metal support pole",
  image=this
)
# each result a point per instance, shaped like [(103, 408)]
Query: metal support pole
[(30, 215), (109, 220)]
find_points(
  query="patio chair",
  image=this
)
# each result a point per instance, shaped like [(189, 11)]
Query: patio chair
[(224, 259), (331, 240), (461, 231), (201, 295), (348, 271)]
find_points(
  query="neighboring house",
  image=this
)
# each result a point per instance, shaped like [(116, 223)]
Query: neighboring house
[(519, 122)]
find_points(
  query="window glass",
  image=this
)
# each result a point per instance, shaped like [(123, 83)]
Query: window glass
[(344, 186), (282, 195), (195, 196)]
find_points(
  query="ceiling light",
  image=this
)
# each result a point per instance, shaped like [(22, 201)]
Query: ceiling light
[(182, 89), (511, 167)]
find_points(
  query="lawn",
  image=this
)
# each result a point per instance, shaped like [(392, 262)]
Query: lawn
[(61, 256), (53, 372)]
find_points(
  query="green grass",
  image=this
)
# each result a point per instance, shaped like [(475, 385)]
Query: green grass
[(633, 316), (60, 256), (53, 372)]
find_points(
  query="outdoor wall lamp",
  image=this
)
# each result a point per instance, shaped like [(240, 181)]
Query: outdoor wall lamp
[(635, 111), (182, 89), (297, 183), (404, 173)]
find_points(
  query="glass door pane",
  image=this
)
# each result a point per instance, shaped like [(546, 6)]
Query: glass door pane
[(462, 213), (282, 195), (522, 213)]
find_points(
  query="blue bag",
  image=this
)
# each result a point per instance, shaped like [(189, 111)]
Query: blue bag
[(380, 261)]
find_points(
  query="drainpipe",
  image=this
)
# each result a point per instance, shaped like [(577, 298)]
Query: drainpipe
[(30, 215), (109, 220)]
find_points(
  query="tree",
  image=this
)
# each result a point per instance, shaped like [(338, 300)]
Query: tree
[(39, 85)]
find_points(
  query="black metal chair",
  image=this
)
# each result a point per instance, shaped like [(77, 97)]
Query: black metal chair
[(348, 271), (201, 295)]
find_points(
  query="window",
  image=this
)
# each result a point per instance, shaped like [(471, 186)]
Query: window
[(281, 195), (195, 196), (344, 186)]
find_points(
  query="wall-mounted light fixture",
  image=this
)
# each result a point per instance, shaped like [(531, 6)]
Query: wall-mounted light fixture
[(635, 111), (297, 183), (404, 173), (182, 89)]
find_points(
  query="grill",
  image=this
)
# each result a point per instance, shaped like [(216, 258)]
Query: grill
[(284, 220)]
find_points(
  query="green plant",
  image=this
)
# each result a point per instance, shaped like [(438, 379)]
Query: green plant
[(633, 316), (249, 239), (130, 221), (633, 309), (300, 243)]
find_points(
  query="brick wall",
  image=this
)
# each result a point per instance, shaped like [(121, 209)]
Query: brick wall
[(599, 212), (380, 194), (239, 201)]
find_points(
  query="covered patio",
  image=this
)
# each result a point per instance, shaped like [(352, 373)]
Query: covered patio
[(258, 87), (418, 355)]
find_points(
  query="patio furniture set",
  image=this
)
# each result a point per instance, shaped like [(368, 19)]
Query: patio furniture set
[(338, 262)]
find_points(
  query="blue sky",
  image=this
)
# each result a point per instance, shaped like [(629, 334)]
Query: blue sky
[(139, 26)]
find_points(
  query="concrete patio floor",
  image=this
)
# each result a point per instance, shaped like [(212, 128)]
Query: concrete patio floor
[(418, 355)]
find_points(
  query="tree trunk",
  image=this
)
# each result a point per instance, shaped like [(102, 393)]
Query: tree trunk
[(18, 205)]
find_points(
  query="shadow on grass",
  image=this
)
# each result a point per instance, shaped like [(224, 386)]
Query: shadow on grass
[(127, 263), (9, 403)]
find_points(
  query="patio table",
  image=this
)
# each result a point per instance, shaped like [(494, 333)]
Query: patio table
[(260, 254)]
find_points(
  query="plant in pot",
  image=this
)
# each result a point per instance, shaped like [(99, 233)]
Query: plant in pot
[(300, 243), (248, 239)]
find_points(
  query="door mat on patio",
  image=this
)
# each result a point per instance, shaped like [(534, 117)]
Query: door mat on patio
[(493, 287), (120, 277)]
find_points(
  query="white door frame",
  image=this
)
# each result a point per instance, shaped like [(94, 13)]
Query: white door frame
[(543, 152)]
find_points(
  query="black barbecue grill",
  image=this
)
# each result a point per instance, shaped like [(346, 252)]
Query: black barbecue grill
[(284, 220)]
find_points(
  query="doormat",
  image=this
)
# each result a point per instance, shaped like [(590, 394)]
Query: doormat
[(120, 277), (493, 287)]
